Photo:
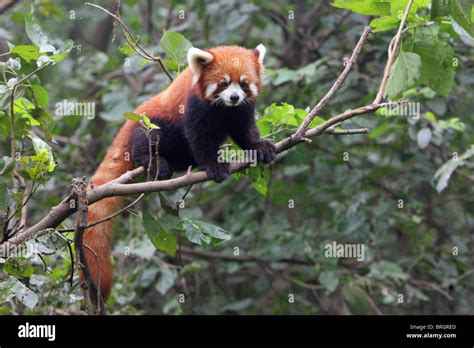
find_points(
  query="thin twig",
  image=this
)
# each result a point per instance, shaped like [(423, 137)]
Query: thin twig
[(335, 87), (334, 131), (392, 49), (133, 42)]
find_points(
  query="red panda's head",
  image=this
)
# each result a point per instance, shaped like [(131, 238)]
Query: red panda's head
[(228, 75)]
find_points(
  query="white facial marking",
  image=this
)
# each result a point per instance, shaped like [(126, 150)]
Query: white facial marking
[(210, 89), (230, 93), (253, 88), (227, 77), (243, 77)]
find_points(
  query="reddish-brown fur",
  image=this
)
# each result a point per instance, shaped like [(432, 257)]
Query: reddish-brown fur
[(168, 105)]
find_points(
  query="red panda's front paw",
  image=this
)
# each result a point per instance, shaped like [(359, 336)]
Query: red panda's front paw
[(265, 151), (216, 171)]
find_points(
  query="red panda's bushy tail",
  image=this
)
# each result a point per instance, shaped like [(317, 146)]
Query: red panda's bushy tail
[(99, 238)]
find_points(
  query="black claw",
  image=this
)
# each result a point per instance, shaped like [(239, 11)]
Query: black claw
[(265, 151), (217, 172)]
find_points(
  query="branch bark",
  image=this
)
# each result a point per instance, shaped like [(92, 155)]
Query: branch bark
[(91, 290)]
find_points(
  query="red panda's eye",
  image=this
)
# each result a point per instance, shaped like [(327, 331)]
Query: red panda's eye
[(224, 84), (244, 84)]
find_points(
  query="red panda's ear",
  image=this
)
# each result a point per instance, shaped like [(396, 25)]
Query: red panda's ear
[(197, 59), (260, 51)]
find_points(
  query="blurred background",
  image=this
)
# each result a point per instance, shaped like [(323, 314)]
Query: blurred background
[(377, 189)]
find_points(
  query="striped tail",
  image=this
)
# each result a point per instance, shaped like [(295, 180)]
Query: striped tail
[(98, 239)]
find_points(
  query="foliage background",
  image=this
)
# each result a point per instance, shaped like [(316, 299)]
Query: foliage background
[(345, 189)]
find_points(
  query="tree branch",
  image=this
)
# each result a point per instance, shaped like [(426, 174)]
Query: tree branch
[(91, 290), (335, 87)]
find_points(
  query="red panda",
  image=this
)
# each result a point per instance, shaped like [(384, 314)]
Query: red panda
[(214, 98)]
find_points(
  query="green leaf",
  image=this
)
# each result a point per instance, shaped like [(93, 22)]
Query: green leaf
[(461, 12), (442, 82), (6, 165), (191, 267), (46, 121), (22, 107), (39, 165), (404, 72), (63, 51), (387, 271), (281, 114), (167, 278), (194, 233), (41, 147), (12, 287), (167, 206), (147, 122), (384, 23), (260, 177), (4, 197), (437, 68), (35, 32), (329, 279), (132, 116), (18, 266), (171, 65), (371, 8), (355, 297), (126, 49), (160, 232), (176, 46), (48, 241), (440, 8), (26, 52), (452, 123), (204, 233), (214, 231), (316, 122), (443, 174), (41, 95), (284, 75), (397, 7), (9, 288), (423, 137), (374, 134)]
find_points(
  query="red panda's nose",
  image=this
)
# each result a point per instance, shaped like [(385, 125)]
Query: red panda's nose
[(234, 98)]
